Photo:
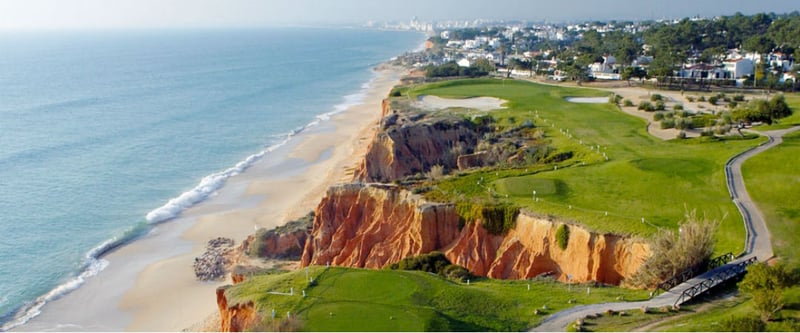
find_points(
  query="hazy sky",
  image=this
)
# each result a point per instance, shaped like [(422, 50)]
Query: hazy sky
[(89, 14)]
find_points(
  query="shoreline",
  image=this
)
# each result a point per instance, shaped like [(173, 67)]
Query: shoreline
[(149, 283)]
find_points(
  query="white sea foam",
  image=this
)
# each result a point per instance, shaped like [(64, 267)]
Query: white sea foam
[(205, 189), (207, 186), (211, 183), (34, 308)]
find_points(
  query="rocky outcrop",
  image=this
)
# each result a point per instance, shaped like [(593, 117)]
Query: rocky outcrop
[(276, 245), (371, 225), (235, 317), (375, 225), (213, 263), (475, 160), (409, 144), (284, 242)]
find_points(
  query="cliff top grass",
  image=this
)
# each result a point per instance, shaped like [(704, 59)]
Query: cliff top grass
[(350, 299), (618, 173)]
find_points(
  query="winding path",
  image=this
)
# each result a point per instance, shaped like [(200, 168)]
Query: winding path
[(757, 244)]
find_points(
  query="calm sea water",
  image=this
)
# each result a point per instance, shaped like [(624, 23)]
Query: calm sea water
[(98, 131)]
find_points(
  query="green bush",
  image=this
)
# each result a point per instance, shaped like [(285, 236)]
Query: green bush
[(434, 262), (765, 284), (646, 106), (684, 123), (743, 324), (738, 98), (678, 107), (701, 99), (656, 97), (660, 106), (496, 218), (562, 236), (627, 102), (713, 100), (456, 273), (667, 123), (690, 99), (658, 116)]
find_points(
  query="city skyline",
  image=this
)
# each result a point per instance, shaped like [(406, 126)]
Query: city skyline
[(130, 14)]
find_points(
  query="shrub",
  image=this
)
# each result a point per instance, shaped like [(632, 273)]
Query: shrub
[(627, 102), (690, 99), (669, 115), (766, 284), (701, 99), (681, 135), (684, 123), (434, 262), (656, 97), (678, 107), (646, 106), (562, 236), (743, 324), (667, 123), (713, 100), (738, 98), (496, 218), (672, 253), (658, 116), (456, 273), (660, 106)]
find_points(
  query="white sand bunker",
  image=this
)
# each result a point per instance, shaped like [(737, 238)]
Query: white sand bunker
[(588, 100), (478, 103)]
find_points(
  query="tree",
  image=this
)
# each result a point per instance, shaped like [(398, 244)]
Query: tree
[(765, 284)]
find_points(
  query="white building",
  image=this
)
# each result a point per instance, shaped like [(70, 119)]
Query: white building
[(463, 62), (738, 68)]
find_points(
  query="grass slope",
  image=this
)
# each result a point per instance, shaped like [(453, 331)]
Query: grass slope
[(644, 177), (349, 299), (773, 181)]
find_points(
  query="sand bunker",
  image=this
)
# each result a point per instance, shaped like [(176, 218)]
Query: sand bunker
[(478, 103), (588, 100)]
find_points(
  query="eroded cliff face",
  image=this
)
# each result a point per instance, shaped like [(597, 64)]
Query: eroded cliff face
[(409, 144), (371, 226), (235, 317)]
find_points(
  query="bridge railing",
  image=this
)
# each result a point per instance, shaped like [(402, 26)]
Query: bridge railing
[(694, 271), (718, 278)]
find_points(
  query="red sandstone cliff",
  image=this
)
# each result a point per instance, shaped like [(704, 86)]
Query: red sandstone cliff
[(235, 317), (373, 225)]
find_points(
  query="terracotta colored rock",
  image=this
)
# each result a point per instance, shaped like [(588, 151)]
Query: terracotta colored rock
[(371, 225)]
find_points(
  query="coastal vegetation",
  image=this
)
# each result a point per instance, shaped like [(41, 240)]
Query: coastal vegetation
[(617, 178), (349, 299), (584, 164)]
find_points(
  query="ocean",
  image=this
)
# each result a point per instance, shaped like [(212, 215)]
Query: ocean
[(105, 134)]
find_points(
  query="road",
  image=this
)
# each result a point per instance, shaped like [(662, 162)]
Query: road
[(757, 244)]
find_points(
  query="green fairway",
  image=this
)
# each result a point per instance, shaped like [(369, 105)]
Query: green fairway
[(773, 181), (618, 174), (349, 299)]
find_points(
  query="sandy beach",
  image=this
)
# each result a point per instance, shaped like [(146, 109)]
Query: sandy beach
[(149, 284)]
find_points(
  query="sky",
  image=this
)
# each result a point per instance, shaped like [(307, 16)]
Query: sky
[(145, 14)]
